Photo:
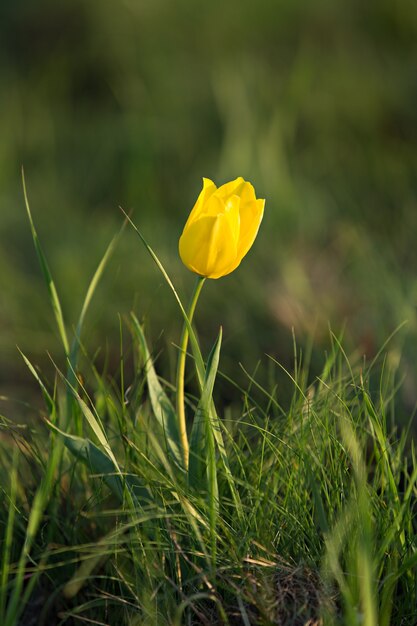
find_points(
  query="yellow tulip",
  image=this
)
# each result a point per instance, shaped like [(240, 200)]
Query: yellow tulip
[(221, 228)]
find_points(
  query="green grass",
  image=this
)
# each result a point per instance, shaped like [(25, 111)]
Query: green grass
[(300, 502), (306, 503), (312, 102)]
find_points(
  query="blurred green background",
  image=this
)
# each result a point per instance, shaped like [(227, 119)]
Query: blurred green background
[(132, 103)]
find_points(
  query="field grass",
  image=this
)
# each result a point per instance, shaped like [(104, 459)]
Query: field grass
[(299, 503)]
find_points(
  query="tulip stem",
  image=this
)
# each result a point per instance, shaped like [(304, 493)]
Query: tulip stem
[(182, 426)]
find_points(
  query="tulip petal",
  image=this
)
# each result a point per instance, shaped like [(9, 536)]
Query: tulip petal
[(232, 188), (251, 211), (229, 207), (208, 189), (252, 226), (232, 214), (247, 192), (214, 206), (208, 246), (251, 214)]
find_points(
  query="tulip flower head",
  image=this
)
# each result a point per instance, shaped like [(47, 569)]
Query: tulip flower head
[(221, 228)]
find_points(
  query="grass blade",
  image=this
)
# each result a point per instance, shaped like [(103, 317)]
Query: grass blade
[(46, 395), (53, 294)]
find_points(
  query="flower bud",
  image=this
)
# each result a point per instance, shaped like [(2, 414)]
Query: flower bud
[(221, 228)]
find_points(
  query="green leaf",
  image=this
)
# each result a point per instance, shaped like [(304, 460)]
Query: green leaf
[(202, 444), (161, 404), (203, 426), (100, 463)]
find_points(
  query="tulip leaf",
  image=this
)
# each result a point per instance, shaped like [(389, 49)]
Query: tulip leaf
[(100, 463), (161, 404), (202, 444), (202, 424), (218, 436)]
